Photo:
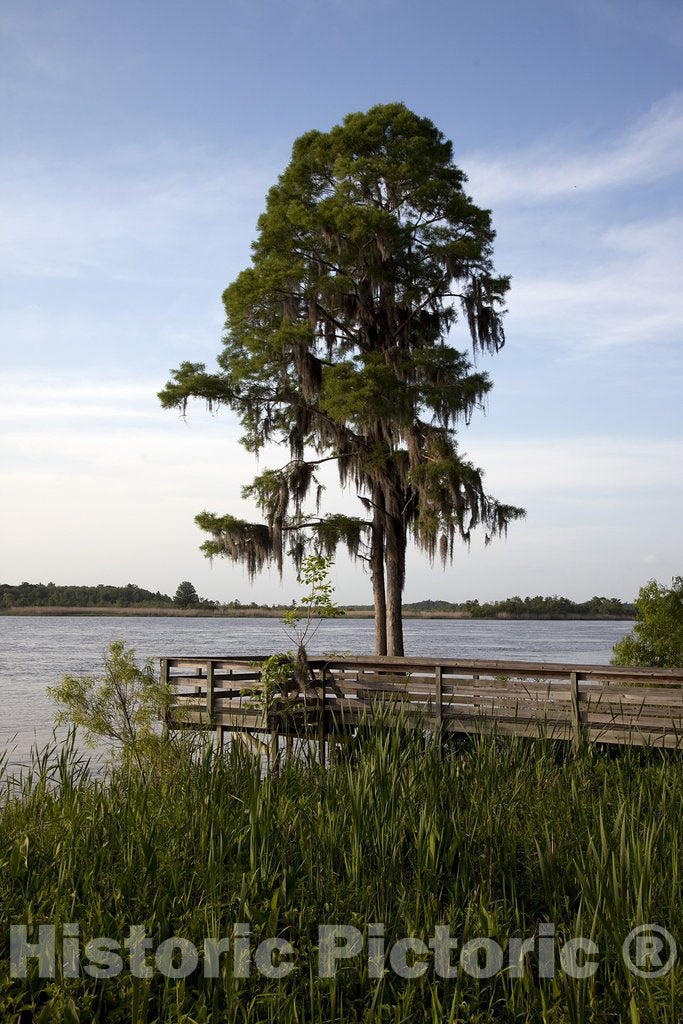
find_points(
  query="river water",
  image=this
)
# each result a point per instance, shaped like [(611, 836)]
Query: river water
[(36, 651)]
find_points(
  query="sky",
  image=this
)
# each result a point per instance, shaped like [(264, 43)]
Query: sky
[(137, 143)]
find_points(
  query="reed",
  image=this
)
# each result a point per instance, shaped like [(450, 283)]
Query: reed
[(493, 839)]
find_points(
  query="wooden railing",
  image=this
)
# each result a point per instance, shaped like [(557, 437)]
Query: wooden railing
[(576, 703)]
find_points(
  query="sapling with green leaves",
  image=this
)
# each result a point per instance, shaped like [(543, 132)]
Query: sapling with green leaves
[(303, 619), (289, 672), (123, 706)]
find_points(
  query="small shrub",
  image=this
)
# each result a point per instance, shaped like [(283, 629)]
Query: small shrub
[(657, 637), (123, 706)]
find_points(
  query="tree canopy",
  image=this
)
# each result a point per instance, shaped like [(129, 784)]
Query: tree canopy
[(657, 637), (25, 595), (186, 596), (337, 345)]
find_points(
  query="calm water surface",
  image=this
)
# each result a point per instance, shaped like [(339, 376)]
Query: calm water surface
[(36, 651)]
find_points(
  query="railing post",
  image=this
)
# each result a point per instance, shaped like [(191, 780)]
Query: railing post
[(576, 711), (164, 678), (438, 679), (209, 689), (321, 720)]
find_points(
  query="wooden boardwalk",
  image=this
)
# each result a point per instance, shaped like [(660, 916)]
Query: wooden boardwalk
[(574, 703)]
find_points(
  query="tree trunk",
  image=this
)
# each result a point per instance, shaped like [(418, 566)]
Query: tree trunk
[(394, 556), (394, 611), (377, 565)]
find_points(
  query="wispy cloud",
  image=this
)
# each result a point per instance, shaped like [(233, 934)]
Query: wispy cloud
[(193, 449), (122, 504), (590, 467), (78, 410), (26, 403), (650, 150), (627, 292), (25, 389), (128, 215)]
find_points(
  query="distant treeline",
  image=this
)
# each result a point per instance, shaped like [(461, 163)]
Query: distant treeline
[(49, 595), (40, 595), (532, 607)]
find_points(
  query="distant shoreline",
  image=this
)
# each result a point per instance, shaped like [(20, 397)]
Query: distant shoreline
[(272, 613)]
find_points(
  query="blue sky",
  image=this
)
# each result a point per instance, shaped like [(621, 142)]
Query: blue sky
[(137, 142)]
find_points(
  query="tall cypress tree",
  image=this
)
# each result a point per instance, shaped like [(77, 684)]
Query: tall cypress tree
[(339, 343)]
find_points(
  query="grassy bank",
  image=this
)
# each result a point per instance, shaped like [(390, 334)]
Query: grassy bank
[(276, 613), (493, 840)]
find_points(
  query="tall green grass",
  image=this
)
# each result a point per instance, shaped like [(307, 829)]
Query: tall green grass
[(492, 839)]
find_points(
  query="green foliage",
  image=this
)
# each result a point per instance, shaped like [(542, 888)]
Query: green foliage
[(122, 707), (277, 673), (493, 839), (186, 596), (657, 637), (28, 595)]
